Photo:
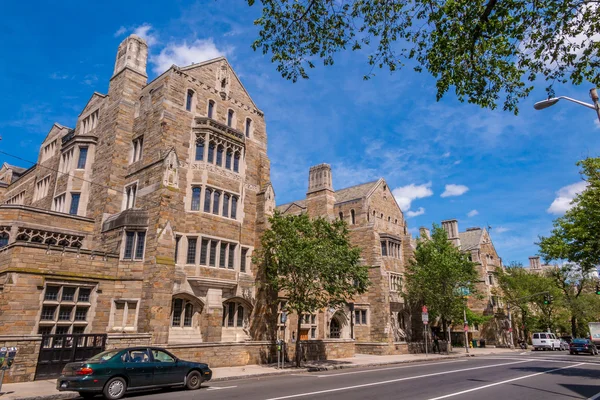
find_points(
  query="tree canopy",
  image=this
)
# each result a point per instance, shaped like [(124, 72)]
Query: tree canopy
[(311, 263), (483, 49), (438, 275)]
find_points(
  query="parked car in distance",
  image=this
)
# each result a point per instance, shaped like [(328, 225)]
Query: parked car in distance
[(583, 346), (564, 345), (545, 341), (115, 372)]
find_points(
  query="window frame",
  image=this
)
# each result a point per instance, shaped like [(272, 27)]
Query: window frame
[(79, 157), (136, 233), (75, 195)]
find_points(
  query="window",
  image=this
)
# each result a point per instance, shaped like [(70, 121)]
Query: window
[(177, 241), (243, 259), (130, 192), (204, 251), (234, 314), (211, 152), (68, 293), (65, 161), (395, 282), (199, 149), (207, 195), (177, 311), (228, 157), (219, 155), (352, 217), (226, 205), (223, 255), (360, 317), (59, 203), (83, 152), (134, 245), (41, 188), (161, 356), (231, 255), (213, 253), (188, 314), (49, 150), (384, 248), (191, 251), (137, 145), (84, 295), (90, 122), (491, 279), (3, 240), (138, 356), (248, 126), (51, 293), (230, 118), (216, 200), (124, 315), (62, 307), (211, 108), (74, 203), (341, 216), (234, 201), (48, 313), (196, 191), (65, 313), (17, 199), (236, 162), (189, 100)]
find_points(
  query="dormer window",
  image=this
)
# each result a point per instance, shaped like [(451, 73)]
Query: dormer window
[(211, 108), (189, 100)]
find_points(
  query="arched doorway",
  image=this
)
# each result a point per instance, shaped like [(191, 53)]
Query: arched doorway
[(335, 330)]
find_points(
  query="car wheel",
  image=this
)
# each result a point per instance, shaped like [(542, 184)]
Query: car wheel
[(115, 388), (87, 395), (193, 380), (571, 353)]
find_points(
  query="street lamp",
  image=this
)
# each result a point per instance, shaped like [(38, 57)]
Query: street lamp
[(540, 105)]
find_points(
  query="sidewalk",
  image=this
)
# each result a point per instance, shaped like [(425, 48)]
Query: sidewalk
[(47, 389)]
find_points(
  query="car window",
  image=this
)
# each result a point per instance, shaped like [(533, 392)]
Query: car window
[(104, 356), (552, 336), (138, 356), (580, 341), (543, 336), (536, 336), (161, 356)]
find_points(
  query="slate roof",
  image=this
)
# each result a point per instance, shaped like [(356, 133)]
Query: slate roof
[(470, 239), (284, 207), (17, 170)]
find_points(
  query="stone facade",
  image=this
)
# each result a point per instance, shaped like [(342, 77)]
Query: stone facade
[(378, 227)]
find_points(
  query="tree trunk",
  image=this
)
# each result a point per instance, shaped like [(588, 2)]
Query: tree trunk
[(574, 326), (525, 331), (298, 355)]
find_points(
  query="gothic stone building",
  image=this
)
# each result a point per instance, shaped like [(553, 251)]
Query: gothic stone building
[(378, 320), (143, 217)]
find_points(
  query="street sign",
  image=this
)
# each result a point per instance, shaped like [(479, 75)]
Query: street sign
[(425, 318), (466, 328), (424, 309)]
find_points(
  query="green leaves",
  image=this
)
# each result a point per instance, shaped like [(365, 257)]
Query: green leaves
[(482, 49)]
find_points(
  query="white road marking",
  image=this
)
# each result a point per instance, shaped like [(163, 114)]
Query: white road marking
[(388, 368), (529, 359), (393, 380), (503, 382), (220, 387)]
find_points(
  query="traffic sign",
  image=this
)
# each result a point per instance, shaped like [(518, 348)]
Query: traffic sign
[(425, 318), (424, 309)]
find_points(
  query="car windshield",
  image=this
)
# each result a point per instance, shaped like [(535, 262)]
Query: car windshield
[(104, 356), (581, 341)]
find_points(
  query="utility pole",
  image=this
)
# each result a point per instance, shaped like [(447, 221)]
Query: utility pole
[(594, 96), (466, 329), (510, 329)]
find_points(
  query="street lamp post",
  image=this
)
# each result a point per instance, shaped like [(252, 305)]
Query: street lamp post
[(540, 105), (466, 331)]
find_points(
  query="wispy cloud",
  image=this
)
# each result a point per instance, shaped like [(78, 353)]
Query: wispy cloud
[(472, 213), (416, 213), (454, 190), (406, 194), (501, 229), (90, 79), (148, 33), (121, 31), (564, 197), (184, 54), (59, 76)]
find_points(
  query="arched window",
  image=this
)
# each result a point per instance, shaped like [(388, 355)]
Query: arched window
[(219, 155), (3, 239), (381, 215), (228, 157), (226, 205), (223, 83), (389, 219), (234, 314), (189, 100), (234, 201), (196, 198), (199, 149), (216, 199), (211, 109), (188, 314), (352, 217), (341, 216), (207, 194), (182, 313), (248, 126), (177, 310), (230, 118), (236, 162), (211, 152)]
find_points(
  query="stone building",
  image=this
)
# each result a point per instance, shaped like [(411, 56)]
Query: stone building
[(478, 244), (378, 320), (140, 221)]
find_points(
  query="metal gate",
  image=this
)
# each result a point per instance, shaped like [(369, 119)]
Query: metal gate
[(56, 351)]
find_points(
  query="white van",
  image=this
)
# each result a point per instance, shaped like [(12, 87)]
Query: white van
[(545, 341)]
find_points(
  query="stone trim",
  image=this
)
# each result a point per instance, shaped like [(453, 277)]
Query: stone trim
[(44, 211)]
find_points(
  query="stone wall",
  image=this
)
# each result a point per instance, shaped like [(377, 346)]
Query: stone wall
[(382, 349), (28, 350)]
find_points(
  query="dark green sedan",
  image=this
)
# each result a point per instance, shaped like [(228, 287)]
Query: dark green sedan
[(114, 372)]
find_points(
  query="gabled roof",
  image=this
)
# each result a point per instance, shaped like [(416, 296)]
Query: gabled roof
[(58, 126), (17, 170), (356, 192), (284, 207), (95, 94), (471, 239)]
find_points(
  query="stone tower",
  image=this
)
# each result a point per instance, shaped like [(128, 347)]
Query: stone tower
[(320, 196), (451, 228), (132, 54)]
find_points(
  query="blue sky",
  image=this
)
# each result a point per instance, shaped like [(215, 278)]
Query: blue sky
[(443, 159)]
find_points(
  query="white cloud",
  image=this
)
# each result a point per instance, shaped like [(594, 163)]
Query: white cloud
[(446, 155), (501, 229), (143, 31), (120, 31), (454, 190), (411, 214), (564, 196), (406, 194), (58, 76), (472, 213), (597, 123), (184, 54)]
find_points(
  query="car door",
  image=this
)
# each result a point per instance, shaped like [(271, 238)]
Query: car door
[(166, 369), (139, 368)]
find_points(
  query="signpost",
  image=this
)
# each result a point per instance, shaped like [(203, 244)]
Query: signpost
[(281, 344), (7, 358), (425, 319)]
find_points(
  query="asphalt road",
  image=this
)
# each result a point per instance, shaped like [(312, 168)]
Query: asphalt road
[(528, 375)]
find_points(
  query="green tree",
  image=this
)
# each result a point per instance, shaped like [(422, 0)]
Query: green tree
[(311, 263), (575, 241), (483, 49), (437, 275)]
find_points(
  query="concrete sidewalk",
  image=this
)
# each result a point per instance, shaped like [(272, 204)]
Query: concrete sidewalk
[(46, 389)]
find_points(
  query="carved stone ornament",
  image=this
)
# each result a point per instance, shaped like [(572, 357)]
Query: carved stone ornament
[(171, 175)]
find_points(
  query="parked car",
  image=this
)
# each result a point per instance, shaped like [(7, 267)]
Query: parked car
[(115, 372), (583, 346), (545, 341), (564, 345)]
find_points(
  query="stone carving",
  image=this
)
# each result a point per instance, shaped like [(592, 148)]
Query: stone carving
[(400, 334), (222, 83), (251, 187), (49, 238), (171, 176)]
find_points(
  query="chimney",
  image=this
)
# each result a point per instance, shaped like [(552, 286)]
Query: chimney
[(534, 262), (133, 55), (320, 196), (424, 232), (451, 228)]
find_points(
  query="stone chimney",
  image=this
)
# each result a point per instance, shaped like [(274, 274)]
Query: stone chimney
[(424, 232), (320, 196), (132, 54), (534, 262), (451, 228)]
